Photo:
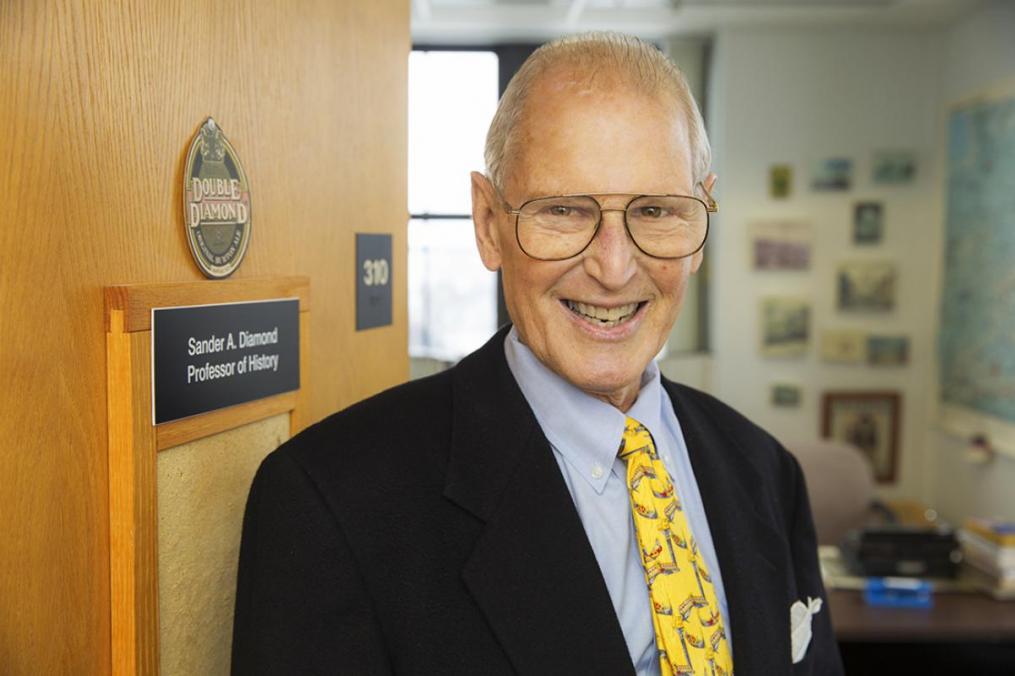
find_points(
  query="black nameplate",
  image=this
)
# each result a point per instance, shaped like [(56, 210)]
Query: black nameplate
[(373, 281), (207, 357)]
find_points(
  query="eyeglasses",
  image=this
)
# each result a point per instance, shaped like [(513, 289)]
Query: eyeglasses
[(661, 226)]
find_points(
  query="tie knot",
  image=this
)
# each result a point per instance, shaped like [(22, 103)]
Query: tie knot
[(637, 439)]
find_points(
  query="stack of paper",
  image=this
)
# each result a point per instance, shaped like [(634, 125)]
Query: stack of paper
[(988, 546)]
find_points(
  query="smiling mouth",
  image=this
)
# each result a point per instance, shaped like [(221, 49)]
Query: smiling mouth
[(603, 316)]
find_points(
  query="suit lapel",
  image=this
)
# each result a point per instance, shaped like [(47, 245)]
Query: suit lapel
[(532, 573), (751, 558)]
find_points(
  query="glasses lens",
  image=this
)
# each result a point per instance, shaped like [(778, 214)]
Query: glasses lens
[(668, 226), (557, 227)]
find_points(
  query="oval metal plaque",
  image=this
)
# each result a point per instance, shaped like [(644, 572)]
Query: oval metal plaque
[(216, 203)]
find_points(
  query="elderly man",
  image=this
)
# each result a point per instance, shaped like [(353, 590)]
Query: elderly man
[(551, 505)]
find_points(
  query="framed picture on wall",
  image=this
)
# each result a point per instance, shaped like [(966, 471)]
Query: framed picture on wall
[(833, 173), (888, 350), (843, 346), (780, 181), (893, 167), (786, 395), (780, 245), (866, 286), (868, 222), (869, 421), (785, 326)]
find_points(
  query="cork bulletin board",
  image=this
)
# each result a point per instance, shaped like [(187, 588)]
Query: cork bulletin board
[(177, 490)]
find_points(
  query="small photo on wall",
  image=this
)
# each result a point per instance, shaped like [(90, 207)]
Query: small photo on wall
[(785, 395), (834, 173), (869, 421), (888, 350), (868, 224), (780, 245), (866, 286), (843, 346), (785, 326), (893, 167), (780, 181)]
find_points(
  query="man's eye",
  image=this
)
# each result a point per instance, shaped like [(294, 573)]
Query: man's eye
[(563, 211), (651, 212)]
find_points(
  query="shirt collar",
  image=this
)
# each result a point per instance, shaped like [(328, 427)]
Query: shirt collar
[(586, 431)]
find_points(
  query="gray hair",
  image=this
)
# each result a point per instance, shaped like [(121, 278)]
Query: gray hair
[(636, 61)]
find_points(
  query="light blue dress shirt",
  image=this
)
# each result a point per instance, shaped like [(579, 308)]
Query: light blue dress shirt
[(585, 434)]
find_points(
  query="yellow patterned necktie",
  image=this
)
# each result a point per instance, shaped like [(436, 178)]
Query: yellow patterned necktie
[(685, 610)]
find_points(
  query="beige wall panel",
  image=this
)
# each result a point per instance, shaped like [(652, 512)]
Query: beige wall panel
[(202, 490), (98, 101)]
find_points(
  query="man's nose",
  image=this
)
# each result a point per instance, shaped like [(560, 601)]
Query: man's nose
[(611, 258)]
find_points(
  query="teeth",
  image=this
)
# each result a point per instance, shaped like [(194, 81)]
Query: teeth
[(607, 317)]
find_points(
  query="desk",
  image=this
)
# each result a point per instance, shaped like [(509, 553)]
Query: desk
[(961, 634), (954, 617)]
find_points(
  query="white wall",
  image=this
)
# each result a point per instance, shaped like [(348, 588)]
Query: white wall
[(797, 96), (979, 53)]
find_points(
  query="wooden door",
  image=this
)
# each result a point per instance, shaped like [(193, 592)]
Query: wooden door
[(98, 101)]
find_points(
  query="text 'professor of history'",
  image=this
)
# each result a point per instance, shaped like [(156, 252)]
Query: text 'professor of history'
[(551, 504)]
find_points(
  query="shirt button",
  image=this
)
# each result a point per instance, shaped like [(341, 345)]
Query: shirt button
[(597, 472)]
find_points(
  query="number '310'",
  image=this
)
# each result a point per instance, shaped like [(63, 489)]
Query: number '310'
[(375, 272)]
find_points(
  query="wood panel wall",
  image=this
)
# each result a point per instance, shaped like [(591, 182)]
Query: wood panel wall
[(98, 101)]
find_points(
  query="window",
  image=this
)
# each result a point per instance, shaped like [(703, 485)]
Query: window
[(452, 297)]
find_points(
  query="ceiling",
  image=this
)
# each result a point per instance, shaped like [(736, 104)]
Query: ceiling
[(486, 21)]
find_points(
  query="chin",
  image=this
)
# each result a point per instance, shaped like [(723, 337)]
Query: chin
[(610, 364), (605, 382)]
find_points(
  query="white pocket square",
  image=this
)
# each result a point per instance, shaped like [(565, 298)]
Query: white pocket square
[(800, 626)]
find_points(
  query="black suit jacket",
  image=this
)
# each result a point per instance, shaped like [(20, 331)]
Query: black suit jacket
[(428, 530)]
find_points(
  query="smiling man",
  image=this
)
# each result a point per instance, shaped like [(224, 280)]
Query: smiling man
[(551, 505)]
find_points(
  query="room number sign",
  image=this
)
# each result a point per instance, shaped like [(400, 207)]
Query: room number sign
[(373, 280)]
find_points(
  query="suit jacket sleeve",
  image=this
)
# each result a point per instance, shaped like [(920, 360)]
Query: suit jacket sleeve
[(822, 655), (300, 603)]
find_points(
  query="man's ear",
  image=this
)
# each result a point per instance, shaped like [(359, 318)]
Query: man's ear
[(709, 182), (485, 209), (697, 258)]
